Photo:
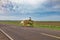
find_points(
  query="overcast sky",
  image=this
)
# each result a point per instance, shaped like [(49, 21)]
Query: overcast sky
[(42, 10)]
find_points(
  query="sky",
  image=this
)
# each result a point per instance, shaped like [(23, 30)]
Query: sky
[(38, 10)]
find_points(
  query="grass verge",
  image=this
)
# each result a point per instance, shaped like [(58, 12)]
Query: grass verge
[(36, 24)]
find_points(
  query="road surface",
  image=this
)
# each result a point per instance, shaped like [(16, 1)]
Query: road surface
[(3, 37), (27, 33)]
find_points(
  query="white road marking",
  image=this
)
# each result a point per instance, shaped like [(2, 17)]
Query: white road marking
[(53, 36), (6, 34), (50, 35), (46, 34)]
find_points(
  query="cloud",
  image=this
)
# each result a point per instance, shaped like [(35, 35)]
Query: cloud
[(27, 7), (8, 7), (9, 18), (3, 2), (3, 10), (47, 5), (56, 4)]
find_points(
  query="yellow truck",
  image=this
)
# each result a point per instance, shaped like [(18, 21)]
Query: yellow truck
[(27, 23)]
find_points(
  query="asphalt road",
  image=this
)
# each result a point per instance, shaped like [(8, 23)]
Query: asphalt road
[(3, 37), (27, 33)]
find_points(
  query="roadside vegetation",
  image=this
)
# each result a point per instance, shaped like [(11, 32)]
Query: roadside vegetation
[(54, 25)]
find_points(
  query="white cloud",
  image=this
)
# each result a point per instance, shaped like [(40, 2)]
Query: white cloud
[(31, 2), (2, 2), (3, 10), (9, 18), (17, 1), (30, 6)]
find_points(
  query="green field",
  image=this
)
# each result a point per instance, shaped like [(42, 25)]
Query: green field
[(55, 25)]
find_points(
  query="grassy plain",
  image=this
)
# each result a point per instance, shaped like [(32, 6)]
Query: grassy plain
[(55, 25)]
